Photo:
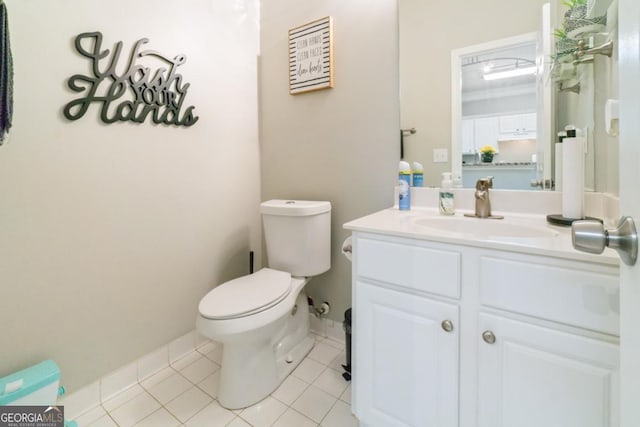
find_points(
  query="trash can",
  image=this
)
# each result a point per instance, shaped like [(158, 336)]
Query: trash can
[(347, 330)]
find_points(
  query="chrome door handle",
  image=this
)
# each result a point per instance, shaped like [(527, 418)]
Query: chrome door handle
[(591, 237)]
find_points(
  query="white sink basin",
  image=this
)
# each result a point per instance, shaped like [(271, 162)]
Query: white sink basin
[(489, 229)]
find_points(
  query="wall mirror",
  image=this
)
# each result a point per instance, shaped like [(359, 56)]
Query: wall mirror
[(494, 113), (518, 115)]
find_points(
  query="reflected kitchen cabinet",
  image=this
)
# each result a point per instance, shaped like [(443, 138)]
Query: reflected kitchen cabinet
[(486, 132), (518, 126), (478, 132), (468, 137)]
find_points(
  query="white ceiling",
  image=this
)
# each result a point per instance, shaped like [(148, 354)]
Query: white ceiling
[(473, 68)]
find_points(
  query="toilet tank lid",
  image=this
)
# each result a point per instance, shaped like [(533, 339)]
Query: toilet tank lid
[(294, 207)]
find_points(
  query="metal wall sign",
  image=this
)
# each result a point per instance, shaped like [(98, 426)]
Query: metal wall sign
[(132, 91)]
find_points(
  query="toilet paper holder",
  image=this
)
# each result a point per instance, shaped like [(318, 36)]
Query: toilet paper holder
[(347, 248)]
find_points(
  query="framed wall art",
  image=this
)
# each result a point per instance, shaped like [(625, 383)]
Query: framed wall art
[(311, 56)]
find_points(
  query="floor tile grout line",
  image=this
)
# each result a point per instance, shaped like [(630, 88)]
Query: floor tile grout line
[(158, 409), (233, 419), (175, 371), (294, 400), (102, 402), (197, 412), (294, 410), (112, 419), (328, 412), (162, 406), (244, 419), (317, 388), (145, 389)]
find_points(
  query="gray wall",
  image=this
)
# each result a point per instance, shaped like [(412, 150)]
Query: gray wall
[(111, 234), (339, 144)]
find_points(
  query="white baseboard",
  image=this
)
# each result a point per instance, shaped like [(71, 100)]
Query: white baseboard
[(327, 328), (95, 394), (92, 396)]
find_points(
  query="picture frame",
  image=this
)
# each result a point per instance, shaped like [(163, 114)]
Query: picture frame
[(311, 56)]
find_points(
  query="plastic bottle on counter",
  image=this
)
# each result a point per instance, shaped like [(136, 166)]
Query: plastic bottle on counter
[(404, 186), (418, 175), (457, 180), (446, 203)]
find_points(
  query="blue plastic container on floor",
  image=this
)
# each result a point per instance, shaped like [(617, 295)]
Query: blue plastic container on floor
[(36, 385)]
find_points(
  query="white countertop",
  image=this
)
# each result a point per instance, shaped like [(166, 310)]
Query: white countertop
[(551, 240)]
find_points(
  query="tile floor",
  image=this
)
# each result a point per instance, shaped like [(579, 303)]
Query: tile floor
[(184, 394)]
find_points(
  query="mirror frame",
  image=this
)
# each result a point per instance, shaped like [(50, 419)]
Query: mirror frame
[(543, 100)]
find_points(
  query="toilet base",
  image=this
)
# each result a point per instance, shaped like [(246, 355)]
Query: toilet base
[(287, 364), (236, 394), (255, 363)]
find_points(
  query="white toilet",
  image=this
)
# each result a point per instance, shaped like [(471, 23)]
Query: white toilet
[(262, 319)]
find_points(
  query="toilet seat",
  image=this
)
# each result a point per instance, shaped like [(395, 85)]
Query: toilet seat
[(246, 295)]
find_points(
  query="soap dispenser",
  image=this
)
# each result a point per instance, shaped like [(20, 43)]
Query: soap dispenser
[(446, 203)]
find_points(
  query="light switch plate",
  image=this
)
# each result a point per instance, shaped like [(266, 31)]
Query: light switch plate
[(440, 155)]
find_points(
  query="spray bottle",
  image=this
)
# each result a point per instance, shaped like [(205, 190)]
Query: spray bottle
[(418, 175), (404, 186)]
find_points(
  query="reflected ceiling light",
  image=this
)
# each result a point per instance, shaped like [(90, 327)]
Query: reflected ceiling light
[(514, 72)]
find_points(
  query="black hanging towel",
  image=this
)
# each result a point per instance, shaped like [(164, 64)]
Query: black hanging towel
[(6, 75)]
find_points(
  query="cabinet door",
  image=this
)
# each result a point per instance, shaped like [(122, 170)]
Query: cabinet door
[(533, 376), (406, 364), (529, 123), (468, 142), (509, 124), (517, 126), (486, 132)]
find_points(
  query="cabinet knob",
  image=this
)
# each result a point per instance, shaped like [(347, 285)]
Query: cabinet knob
[(447, 325), (488, 337)]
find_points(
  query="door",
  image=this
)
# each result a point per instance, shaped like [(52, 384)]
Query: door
[(409, 377), (533, 376), (629, 140)]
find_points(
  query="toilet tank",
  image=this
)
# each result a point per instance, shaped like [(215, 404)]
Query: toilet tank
[(298, 236)]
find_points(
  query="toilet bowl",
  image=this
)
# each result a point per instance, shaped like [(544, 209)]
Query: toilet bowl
[(262, 319), (263, 339)]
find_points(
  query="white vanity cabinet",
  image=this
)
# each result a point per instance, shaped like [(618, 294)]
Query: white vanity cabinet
[(455, 335), (547, 352), (408, 370), (407, 345), (532, 376)]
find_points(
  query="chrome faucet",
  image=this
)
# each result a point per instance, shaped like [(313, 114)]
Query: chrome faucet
[(483, 202)]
